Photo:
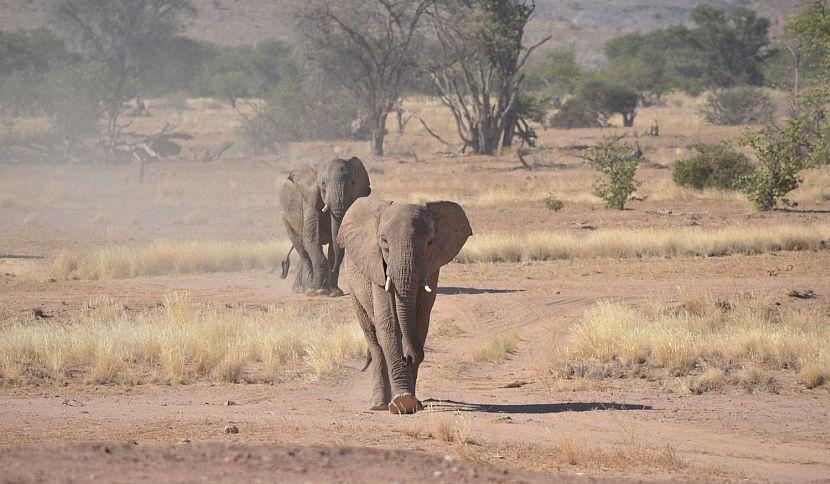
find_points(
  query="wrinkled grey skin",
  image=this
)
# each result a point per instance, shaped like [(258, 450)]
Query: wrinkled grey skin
[(314, 201), (393, 253)]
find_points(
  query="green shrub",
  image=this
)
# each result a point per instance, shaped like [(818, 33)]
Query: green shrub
[(576, 113), (617, 164), (294, 113), (595, 102), (738, 105), (781, 157), (554, 203), (712, 166)]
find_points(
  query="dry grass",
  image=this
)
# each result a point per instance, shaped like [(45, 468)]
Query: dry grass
[(449, 330), (456, 430), (497, 350), (644, 243), (168, 257), (811, 375), (180, 342), (569, 451), (716, 342)]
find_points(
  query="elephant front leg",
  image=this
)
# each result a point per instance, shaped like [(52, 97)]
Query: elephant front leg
[(335, 260), (426, 301), (389, 336), (314, 249)]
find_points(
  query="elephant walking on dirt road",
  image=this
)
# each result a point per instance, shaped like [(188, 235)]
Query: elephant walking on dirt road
[(314, 202), (394, 253)]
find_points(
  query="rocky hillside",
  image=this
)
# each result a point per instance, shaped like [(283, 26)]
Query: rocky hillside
[(583, 25)]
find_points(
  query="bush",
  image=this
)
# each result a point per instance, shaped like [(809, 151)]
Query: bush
[(738, 105), (576, 113), (596, 101), (781, 156), (293, 113), (617, 164), (554, 203), (712, 166)]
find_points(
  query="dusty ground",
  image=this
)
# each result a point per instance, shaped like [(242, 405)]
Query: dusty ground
[(516, 418)]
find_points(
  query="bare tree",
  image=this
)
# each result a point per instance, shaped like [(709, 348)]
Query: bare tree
[(367, 46), (477, 70), (123, 35)]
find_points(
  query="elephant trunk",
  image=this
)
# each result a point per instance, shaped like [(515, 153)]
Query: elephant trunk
[(406, 289), (338, 252)]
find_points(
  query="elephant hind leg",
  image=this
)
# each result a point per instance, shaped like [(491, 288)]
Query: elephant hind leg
[(304, 267)]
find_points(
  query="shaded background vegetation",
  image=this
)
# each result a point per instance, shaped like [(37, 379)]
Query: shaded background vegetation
[(339, 69)]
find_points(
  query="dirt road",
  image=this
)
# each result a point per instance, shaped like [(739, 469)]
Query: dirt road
[(511, 415)]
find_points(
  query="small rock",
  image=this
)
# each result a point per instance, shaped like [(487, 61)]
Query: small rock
[(437, 474), (185, 441), (231, 429), (39, 313), (808, 294), (228, 403), (588, 227)]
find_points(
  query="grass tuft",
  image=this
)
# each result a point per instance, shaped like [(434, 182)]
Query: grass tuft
[(181, 343), (168, 257), (640, 243), (497, 350), (715, 342)]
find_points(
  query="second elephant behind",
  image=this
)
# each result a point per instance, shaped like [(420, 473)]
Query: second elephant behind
[(314, 201)]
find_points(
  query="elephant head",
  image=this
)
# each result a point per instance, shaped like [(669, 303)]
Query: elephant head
[(333, 185), (398, 247)]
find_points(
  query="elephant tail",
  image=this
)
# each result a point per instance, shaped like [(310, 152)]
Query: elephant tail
[(368, 360), (286, 263)]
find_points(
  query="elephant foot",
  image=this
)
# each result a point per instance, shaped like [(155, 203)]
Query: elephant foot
[(336, 292), (404, 404), (379, 406)]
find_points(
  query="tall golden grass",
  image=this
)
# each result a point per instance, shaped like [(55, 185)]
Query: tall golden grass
[(168, 257), (702, 336), (180, 343), (638, 243)]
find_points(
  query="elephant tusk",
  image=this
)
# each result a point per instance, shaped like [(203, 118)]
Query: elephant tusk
[(428, 289), (325, 208), (388, 283)]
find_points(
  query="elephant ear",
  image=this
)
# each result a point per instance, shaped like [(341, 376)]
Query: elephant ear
[(305, 179), (359, 237), (452, 228), (361, 176)]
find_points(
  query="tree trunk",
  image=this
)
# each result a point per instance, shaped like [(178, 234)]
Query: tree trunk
[(378, 134), (509, 130)]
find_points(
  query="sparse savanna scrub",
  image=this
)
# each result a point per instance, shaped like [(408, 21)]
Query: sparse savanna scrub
[(179, 342), (711, 343), (168, 257), (638, 243), (498, 349)]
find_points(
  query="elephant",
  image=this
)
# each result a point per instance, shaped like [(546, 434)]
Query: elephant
[(314, 201), (394, 253)]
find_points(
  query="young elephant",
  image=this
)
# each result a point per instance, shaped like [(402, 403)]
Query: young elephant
[(394, 253), (313, 205)]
